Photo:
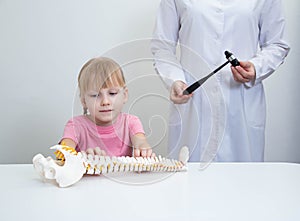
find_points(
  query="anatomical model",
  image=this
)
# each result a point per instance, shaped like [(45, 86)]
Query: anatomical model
[(70, 166)]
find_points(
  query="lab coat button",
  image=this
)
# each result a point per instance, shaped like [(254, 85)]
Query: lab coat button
[(219, 10)]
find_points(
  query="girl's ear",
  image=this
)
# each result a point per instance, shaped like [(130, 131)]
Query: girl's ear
[(83, 103), (125, 95)]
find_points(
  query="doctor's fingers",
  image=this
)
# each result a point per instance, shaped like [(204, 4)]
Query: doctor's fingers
[(247, 70), (176, 93), (239, 76), (177, 98), (178, 87), (180, 99)]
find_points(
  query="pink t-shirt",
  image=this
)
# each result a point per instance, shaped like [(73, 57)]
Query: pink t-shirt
[(114, 139)]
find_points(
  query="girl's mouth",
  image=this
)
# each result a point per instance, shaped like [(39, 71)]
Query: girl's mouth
[(105, 111)]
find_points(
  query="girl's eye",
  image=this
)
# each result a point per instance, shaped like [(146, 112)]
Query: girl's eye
[(94, 95), (112, 93)]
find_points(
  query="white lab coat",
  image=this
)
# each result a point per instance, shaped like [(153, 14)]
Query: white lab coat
[(224, 120)]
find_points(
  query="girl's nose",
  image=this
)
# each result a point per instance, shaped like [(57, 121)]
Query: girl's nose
[(105, 101)]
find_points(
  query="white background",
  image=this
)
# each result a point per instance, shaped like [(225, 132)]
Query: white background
[(43, 45)]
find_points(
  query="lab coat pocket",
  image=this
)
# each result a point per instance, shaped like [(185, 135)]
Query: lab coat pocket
[(255, 106)]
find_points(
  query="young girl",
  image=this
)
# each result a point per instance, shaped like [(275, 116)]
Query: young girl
[(103, 129)]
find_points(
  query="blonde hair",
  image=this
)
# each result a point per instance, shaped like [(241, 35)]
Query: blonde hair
[(99, 73)]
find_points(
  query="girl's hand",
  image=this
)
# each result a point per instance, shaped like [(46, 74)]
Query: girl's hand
[(141, 147), (143, 152), (94, 151)]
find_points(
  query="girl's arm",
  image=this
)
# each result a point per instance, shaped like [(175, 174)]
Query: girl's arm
[(68, 142), (93, 151)]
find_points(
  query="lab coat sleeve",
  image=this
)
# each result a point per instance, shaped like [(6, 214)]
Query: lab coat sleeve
[(164, 43), (273, 49)]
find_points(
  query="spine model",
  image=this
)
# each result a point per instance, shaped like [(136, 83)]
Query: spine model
[(104, 164), (70, 165)]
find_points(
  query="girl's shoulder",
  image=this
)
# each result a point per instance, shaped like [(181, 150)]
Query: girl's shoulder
[(79, 120), (129, 120), (126, 116)]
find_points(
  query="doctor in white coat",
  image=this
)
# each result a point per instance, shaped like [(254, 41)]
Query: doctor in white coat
[(224, 120)]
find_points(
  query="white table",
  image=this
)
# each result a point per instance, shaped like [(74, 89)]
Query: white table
[(223, 191)]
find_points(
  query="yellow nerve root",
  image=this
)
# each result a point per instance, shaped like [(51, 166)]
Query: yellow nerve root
[(60, 156)]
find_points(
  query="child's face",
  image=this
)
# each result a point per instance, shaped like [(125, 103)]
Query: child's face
[(106, 104)]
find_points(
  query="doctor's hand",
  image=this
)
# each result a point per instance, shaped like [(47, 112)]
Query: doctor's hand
[(244, 73), (176, 95)]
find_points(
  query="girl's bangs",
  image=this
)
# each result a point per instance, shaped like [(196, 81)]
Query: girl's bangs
[(114, 79)]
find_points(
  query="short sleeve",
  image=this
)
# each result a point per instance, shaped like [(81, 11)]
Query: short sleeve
[(135, 125), (70, 131)]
